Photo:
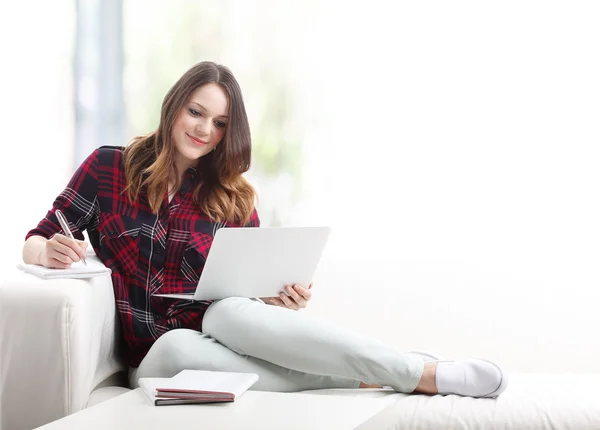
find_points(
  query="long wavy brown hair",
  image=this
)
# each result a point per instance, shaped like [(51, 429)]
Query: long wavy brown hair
[(222, 193)]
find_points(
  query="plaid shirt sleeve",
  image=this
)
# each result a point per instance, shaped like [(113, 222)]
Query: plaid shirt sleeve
[(78, 203)]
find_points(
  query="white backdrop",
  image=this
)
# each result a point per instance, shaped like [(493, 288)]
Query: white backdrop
[(459, 169), (35, 113), (453, 148)]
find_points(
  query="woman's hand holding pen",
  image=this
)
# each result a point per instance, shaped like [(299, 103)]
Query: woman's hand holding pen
[(298, 297), (61, 251)]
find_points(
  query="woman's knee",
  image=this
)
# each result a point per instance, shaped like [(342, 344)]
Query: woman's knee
[(170, 353), (227, 312), (168, 343)]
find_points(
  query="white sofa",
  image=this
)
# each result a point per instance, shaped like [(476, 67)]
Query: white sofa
[(58, 354), (57, 347)]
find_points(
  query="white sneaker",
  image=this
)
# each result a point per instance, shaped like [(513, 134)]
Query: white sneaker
[(474, 377)]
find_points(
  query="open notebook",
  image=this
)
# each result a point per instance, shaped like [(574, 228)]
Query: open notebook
[(77, 270), (197, 386)]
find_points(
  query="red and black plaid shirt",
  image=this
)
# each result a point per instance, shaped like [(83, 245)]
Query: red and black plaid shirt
[(147, 253)]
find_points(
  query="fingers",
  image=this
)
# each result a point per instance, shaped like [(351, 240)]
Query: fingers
[(78, 246), (62, 251), (55, 264), (83, 245), (298, 297), (304, 292), (275, 301), (288, 302)]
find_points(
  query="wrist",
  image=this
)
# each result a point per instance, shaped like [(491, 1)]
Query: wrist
[(34, 250)]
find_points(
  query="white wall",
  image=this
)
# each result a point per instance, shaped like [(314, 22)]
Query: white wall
[(453, 149), (35, 111), (463, 146)]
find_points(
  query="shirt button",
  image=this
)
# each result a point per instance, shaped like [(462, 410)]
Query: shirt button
[(182, 192), (159, 251), (111, 232)]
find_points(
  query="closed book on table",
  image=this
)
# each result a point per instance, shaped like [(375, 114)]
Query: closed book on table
[(148, 387), (197, 386)]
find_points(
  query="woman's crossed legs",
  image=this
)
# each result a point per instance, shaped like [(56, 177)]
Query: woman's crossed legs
[(291, 351)]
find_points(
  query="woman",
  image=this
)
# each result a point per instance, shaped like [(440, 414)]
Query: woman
[(151, 210)]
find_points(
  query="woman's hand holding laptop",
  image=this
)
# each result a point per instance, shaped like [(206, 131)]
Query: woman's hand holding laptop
[(297, 297)]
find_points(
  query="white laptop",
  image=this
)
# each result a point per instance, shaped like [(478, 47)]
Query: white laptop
[(258, 261)]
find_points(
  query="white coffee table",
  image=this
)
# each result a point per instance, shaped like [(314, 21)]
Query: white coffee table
[(254, 410)]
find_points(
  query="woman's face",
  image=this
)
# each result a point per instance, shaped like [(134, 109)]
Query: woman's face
[(200, 125)]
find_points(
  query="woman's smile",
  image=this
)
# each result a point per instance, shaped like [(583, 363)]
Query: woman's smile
[(197, 141)]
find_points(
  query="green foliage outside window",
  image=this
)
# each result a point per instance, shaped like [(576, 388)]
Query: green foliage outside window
[(163, 39)]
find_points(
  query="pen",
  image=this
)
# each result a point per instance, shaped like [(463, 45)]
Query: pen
[(65, 226)]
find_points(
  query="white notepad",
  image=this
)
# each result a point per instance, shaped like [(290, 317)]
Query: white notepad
[(77, 270)]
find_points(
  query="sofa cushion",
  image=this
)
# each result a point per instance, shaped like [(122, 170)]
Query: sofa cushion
[(531, 401)]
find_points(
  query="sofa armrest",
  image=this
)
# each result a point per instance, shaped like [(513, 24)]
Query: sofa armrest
[(58, 341)]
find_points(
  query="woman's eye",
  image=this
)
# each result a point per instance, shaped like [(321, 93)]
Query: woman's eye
[(194, 112), (220, 124)]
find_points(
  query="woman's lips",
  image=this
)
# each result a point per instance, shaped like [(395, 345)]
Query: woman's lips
[(197, 141)]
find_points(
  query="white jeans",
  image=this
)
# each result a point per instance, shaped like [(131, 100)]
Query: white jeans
[(289, 350)]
